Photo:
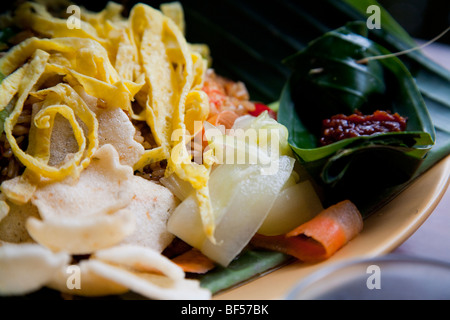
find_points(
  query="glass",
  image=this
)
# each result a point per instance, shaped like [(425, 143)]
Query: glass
[(389, 277)]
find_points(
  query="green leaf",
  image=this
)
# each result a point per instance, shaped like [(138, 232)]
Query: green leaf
[(432, 79), (250, 263), (327, 80)]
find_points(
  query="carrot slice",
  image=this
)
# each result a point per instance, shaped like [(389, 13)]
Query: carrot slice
[(225, 118), (194, 261), (320, 237)]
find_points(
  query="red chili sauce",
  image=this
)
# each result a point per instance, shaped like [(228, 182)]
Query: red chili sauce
[(341, 127)]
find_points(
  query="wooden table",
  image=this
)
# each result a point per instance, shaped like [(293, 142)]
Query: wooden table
[(432, 239)]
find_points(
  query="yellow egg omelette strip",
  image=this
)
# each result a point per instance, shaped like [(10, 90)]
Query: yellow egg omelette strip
[(174, 11), (200, 66), (116, 59), (104, 27), (100, 79), (194, 107), (127, 64), (129, 68), (34, 70), (85, 56), (147, 28), (197, 111), (169, 69), (44, 121), (20, 189), (36, 17), (63, 99), (40, 140), (106, 20), (10, 86), (116, 95), (39, 136)]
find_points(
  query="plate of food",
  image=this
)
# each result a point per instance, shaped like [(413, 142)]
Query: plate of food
[(166, 151)]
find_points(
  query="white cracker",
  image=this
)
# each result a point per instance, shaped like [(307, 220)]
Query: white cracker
[(140, 259), (115, 128), (151, 285), (103, 187), (82, 235), (152, 205), (90, 284), (27, 267), (12, 226)]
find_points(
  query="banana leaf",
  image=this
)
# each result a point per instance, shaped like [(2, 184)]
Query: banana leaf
[(249, 40), (323, 85)]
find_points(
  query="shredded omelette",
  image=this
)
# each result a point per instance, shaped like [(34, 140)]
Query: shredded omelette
[(142, 60)]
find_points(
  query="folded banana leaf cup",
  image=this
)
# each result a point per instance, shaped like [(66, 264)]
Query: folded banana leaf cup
[(330, 77)]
